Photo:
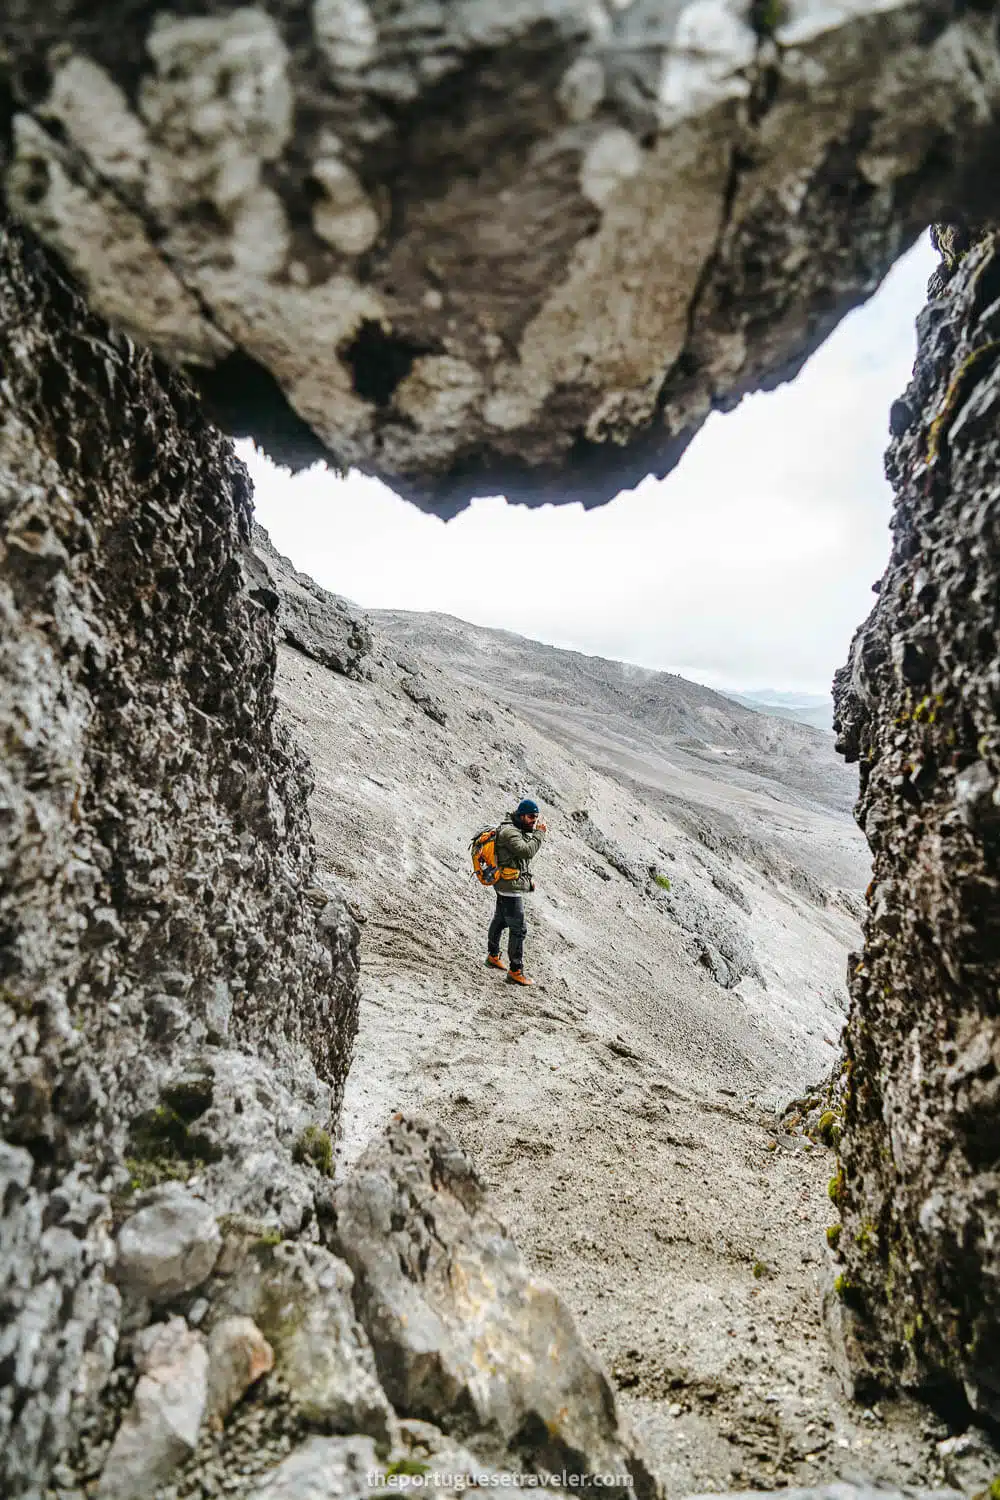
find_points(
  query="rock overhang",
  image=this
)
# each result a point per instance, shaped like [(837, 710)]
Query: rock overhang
[(475, 249)]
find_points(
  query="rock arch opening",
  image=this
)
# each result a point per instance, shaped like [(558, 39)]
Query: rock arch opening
[(684, 212)]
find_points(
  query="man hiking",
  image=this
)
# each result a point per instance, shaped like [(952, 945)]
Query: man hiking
[(518, 840)]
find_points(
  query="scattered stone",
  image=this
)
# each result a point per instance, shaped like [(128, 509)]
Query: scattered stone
[(169, 1246), (197, 1311), (322, 1469), (238, 1355), (161, 1426)]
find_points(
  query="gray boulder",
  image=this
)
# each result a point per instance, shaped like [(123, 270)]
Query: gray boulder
[(169, 1247), (322, 1469), (299, 1296), (162, 1425), (464, 1334), (341, 1468)]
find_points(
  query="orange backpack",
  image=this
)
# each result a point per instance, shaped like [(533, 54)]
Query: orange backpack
[(484, 859)]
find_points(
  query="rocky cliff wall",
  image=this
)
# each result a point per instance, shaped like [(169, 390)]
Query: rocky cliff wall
[(476, 247), (918, 707), (156, 858)]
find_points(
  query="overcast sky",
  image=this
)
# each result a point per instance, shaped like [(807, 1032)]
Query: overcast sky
[(748, 567)]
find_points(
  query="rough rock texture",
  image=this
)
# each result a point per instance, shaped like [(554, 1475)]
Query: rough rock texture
[(918, 708), (844, 1491), (322, 1469), (238, 1355), (266, 1381), (463, 1334), (300, 1296), (169, 1246), (155, 852), (345, 1469), (314, 621), (475, 248), (162, 1424)]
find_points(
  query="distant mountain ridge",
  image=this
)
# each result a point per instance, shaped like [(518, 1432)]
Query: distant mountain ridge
[(575, 696), (803, 708)]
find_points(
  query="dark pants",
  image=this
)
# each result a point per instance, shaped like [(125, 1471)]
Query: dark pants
[(509, 914)]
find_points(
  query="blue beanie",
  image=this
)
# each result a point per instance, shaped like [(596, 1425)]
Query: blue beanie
[(526, 806)]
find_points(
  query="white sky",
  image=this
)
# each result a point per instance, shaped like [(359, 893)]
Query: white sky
[(750, 566)]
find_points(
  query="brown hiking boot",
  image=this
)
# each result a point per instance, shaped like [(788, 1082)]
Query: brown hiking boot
[(494, 961), (518, 976)]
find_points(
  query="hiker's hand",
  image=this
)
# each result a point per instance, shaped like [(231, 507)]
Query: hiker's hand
[(542, 827)]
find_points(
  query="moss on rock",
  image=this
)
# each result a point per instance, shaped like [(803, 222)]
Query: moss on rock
[(837, 1186), (315, 1147)]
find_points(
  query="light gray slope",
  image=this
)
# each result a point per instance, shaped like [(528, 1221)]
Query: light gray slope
[(615, 1109), (641, 711)]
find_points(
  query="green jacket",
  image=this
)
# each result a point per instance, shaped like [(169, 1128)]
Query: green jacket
[(515, 849)]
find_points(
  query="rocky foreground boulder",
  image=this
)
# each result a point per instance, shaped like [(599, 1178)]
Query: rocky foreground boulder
[(462, 1333), (484, 1366)]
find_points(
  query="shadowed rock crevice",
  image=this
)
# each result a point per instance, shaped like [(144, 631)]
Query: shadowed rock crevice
[(380, 362), (242, 397)]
